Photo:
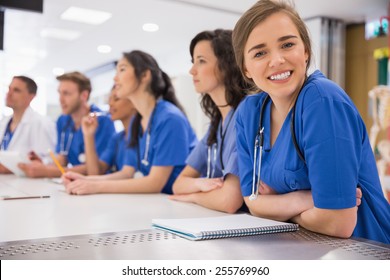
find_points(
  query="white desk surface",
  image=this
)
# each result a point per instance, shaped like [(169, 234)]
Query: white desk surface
[(64, 215), (118, 226)]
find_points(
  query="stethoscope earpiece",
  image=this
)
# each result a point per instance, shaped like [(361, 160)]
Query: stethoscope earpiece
[(253, 197)]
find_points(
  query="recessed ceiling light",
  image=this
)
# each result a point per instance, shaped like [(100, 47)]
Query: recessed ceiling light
[(150, 27), (62, 34), (104, 49), (85, 15), (58, 71)]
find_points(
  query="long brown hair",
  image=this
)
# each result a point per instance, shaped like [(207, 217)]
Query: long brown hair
[(160, 85), (235, 85)]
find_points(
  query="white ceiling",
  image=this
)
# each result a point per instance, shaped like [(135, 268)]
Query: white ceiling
[(25, 52)]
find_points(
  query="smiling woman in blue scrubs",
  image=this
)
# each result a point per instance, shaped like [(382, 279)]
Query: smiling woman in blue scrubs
[(113, 157), (161, 136), (211, 178), (304, 152)]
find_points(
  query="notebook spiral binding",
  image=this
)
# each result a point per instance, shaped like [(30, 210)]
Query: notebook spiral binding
[(247, 231)]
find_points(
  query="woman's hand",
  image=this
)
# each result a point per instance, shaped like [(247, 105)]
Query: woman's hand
[(71, 176), (264, 189), (89, 124), (81, 187), (206, 184)]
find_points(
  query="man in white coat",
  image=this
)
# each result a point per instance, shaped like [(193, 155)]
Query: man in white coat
[(26, 130)]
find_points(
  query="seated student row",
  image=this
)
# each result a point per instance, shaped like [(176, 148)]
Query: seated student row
[(370, 219), (211, 177)]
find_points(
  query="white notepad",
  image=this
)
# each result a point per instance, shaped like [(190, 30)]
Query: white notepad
[(222, 227), (11, 159)]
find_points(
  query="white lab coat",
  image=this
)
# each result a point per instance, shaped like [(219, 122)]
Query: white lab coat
[(34, 133)]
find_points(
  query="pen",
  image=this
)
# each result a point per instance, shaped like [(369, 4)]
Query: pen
[(23, 197), (98, 114), (53, 157)]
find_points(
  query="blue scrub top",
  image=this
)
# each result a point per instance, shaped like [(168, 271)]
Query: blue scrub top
[(198, 159), (65, 128), (171, 140), (335, 144), (114, 154)]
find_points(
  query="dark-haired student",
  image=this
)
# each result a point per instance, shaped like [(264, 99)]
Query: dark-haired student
[(113, 157), (161, 135), (210, 177), (25, 130)]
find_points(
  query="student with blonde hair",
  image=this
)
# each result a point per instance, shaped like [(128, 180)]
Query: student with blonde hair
[(303, 149)]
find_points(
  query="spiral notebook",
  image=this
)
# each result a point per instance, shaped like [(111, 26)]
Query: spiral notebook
[(221, 227)]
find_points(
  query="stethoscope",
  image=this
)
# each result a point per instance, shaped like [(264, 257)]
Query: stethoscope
[(212, 152), (259, 145), (145, 160), (65, 150), (7, 136)]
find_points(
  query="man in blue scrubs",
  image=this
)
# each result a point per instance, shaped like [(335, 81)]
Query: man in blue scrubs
[(74, 89)]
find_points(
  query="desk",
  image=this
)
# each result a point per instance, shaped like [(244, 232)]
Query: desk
[(112, 226), (64, 215)]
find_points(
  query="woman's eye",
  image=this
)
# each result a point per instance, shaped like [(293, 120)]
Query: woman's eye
[(288, 45), (259, 54)]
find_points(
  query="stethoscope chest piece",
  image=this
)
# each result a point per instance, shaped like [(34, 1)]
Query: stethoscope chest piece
[(138, 174), (82, 157)]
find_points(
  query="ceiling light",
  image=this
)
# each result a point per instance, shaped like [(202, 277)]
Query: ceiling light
[(85, 15), (62, 34), (150, 27), (58, 71), (104, 49)]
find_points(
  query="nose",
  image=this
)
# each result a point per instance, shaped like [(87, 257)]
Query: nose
[(192, 70), (116, 77), (276, 59)]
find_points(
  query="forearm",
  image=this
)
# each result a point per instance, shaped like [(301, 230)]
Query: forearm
[(185, 185), (92, 159), (4, 170), (338, 223), (280, 207), (81, 168), (221, 199), (50, 171), (139, 185)]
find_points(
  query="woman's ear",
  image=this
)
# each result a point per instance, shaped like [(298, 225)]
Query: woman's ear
[(146, 76), (246, 73)]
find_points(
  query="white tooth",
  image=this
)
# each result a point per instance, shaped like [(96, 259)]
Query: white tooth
[(281, 76)]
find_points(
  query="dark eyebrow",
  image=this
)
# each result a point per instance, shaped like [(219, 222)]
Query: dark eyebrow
[(281, 39), (287, 37), (121, 64), (259, 46)]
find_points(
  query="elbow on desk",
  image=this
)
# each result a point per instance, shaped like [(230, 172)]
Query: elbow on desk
[(232, 207), (342, 231)]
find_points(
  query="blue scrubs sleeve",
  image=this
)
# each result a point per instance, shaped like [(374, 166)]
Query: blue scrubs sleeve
[(244, 148), (229, 155), (105, 130), (171, 147), (109, 154), (198, 157), (332, 137), (130, 158)]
